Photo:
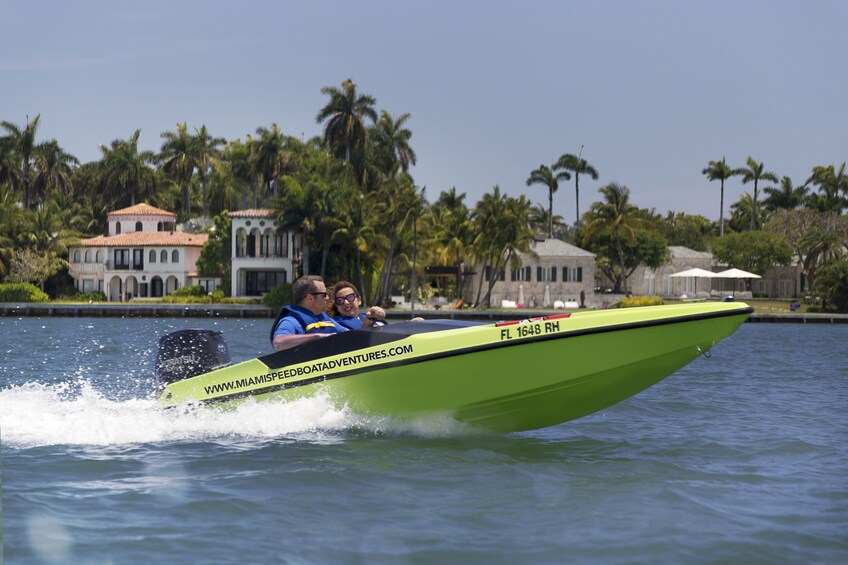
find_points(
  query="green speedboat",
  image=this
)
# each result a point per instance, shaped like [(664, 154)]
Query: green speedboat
[(505, 376)]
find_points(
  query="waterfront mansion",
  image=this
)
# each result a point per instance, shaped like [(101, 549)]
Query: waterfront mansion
[(143, 255)]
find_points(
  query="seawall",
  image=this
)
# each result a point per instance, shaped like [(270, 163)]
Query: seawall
[(125, 310)]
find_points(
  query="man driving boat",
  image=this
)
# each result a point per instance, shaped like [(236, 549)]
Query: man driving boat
[(307, 319)]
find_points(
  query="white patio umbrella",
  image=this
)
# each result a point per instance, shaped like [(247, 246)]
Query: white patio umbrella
[(521, 296), (736, 274), (546, 301), (695, 273)]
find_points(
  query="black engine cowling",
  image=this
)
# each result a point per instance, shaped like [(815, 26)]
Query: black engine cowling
[(186, 353)]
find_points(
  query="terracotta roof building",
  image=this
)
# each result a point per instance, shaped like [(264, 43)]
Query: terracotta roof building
[(142, 256)]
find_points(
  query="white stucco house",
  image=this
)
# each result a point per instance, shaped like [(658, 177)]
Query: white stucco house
[(141, 256), (556, 275), (263, 257)]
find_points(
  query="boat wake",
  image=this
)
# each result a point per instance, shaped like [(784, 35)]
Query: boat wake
[(77, 413)]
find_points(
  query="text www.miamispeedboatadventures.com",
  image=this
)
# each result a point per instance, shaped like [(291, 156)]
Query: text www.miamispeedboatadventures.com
[(316, 367)]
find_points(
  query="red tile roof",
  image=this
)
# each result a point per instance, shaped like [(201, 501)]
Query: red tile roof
[(142, 209), (147, 239), (253, 213)]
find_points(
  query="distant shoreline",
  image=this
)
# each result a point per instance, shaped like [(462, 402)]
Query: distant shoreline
[(133, 310)]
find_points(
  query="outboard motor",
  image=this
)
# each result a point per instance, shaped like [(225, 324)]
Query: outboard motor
[(186, 353)]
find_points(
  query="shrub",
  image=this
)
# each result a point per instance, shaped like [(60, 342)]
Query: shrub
[(196, 290), (88, 297), (635, 301), (21, 292), (278, 297)]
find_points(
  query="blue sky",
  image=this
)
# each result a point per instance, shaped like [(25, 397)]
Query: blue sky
[(650, 90)]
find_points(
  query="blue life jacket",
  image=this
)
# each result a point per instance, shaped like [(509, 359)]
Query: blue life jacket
[(325, 326), (350, 323), (357, 322)]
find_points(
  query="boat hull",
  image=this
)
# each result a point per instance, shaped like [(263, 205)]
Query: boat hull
[(502, 377)]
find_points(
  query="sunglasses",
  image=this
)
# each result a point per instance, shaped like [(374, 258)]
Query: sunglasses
[(340, 300), (325, 294)]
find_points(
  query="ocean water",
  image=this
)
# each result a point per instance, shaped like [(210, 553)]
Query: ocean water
[(741, 457)]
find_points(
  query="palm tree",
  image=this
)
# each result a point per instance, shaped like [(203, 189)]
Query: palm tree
[(833, 189), (719, 170), (578, 166), (390, 140), (754, 172), (450, 199), (207, 149), (358, 232), (53, 169), (179, 159), (743, 210), (787, 197), (345, 114), (547, 177), (21, 143), (503, 231), (269, 157), (619, 219), (397, 202), (540, 218), (125, 170)]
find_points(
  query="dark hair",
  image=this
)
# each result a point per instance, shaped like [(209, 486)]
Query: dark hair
[(334, 309), (303, 286)]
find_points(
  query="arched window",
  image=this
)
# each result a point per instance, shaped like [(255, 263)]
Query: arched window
[(163, 257), (100, 255), (152, 258), (138, 226), (175, 256), (160, 227), (77, 256), (117, 228), (88, 255)]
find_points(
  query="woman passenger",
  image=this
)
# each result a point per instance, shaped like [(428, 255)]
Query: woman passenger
[(344, 308)]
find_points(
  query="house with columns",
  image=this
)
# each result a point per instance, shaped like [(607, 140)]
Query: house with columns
[(142, 255), (263, 256)]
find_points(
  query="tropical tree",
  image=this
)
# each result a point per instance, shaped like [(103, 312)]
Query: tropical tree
[(180, 158), (550, 179), (503, 231), (720, 171), (541, 220), (754, 251), (358, 232), (20, 143), (754, 171), (216, 257), (237, 155), (390, 141), (396, 203), (618, 219), (125, 171), (53, 170), (692, 231), (787, 197), (269, 157), (208, 151), (577, 165), (832, 285), (345, 114), (311, 200), (833, 189), (35, 168), (742, 211), (33, 266), (813, 236)]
